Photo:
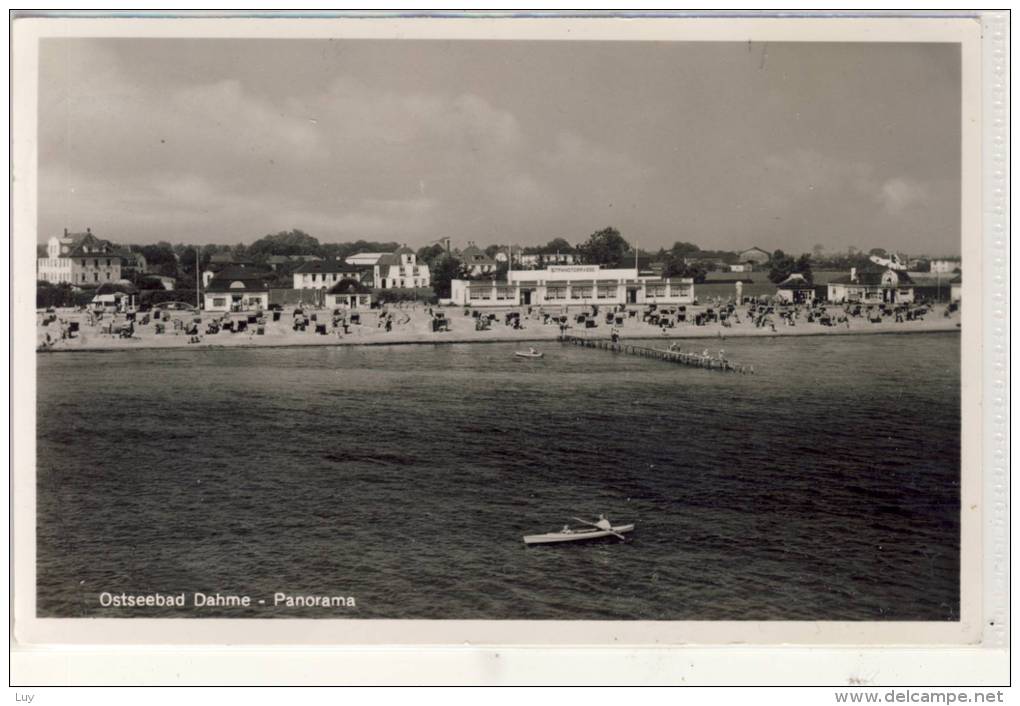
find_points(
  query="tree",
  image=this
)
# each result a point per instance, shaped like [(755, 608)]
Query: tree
[(879, 252), (803, 268), (290, 242), (676, 267), (430, 253), (605, 247), (556, 245), (684, 249), (818, 250), (443, 271), (160, 259), (784, 265)]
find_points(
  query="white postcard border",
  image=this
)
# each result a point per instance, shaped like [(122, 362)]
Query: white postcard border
[(981, 585)]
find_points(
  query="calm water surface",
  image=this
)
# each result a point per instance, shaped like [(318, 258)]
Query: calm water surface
[(826, 486)]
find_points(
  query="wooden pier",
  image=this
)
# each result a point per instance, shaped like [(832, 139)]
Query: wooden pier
[(692, 360)]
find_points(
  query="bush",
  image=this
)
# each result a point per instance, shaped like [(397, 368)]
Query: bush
[(47, 295), (392, 296), (83, 297), (151, 297)]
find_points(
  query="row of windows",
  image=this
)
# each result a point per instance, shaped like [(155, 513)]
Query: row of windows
[(577, 292)]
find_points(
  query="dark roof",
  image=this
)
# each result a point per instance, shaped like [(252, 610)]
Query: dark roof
[(90, 246), (246, 279), (130, 255), (871, 277), (349, 286), (227, 258), (390, 258), (472, 255), (403, 250), (114, 287), (325, 266)]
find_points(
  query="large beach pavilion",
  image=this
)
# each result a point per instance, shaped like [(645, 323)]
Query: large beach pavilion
[(572, 285)]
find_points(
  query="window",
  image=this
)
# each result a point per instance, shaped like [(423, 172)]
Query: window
[(505, 293), (107, 262), (606, 291), (95, 276), (556, 293), (219, 301), (107, 275), (655, 290), (580, 292), (478, 293)]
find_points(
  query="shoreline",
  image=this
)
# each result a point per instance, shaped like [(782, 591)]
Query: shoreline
[(553, 336)]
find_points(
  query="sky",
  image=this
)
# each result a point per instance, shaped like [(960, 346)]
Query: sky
[(726, 145)]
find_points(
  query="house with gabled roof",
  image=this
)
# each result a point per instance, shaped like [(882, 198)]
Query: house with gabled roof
[(349, 293), (80, 259), (476, 261), (795, 289), (237, 289), (399, 269), (871, 286)]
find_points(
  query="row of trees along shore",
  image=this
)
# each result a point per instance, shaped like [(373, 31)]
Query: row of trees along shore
[(606, 247)]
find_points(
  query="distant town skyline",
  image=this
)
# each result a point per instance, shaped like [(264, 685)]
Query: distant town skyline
[(726, 145)]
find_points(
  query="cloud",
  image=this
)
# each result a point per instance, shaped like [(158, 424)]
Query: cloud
[(900, 194), (218, 160)]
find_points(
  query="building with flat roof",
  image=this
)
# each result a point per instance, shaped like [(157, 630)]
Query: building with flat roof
[(572, 285)]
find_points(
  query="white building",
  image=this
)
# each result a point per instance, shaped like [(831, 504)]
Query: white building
[(323, 274), (394, 270), (572, 285), (872, 287), (795, 289), (79, 259), (364, 259), (237, 289), (477, 262), (945, 265), (533, 260), (349, 293), (956, 288)]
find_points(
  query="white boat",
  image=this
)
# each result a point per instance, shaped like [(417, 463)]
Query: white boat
[(576, 535), (528, 354)]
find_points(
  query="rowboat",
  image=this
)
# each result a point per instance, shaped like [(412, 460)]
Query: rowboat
[(578, 535), (528, 354)]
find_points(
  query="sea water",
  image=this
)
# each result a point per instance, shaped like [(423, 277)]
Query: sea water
[(402, 478)]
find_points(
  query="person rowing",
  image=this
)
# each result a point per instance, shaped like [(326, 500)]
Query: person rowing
[(603, 523)]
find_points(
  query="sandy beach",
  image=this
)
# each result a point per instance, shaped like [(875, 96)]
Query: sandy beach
[(412, 325)]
